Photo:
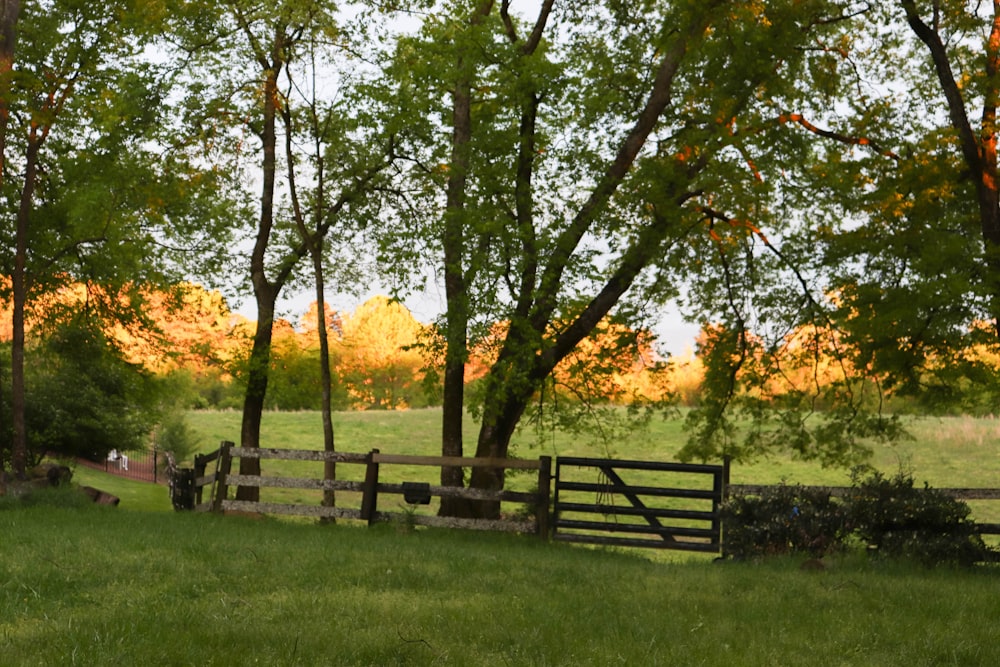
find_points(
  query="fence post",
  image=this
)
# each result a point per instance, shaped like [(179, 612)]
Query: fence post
[(721, 496), (225, 465), (369, 501), (726, 464), (542, 507), (200, 465)]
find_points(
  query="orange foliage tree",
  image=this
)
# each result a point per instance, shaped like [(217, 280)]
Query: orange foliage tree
[(379, 363)]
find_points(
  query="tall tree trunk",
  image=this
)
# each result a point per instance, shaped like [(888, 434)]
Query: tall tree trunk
[(19, 446), (265, 294), (456, 295), (326, 379), (313, 240), (979, 148), (9, 13)]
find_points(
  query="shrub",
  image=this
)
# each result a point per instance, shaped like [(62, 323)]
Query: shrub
[(897, 520), (85, 398), (175, 435), (891, 517), (783, 519)]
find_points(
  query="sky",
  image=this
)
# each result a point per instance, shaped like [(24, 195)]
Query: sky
[(673, 334)]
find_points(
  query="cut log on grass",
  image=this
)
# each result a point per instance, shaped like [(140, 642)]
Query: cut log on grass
[(100, 497)]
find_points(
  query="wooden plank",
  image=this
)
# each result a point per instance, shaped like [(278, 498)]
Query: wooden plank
[(457, 461), (841, 491), (369, 499), (543, 499), (973, 494), (680, 545), (611, 527), (293, 510), (207, 458), (462, 492), (295, 483), (639, 465), (296, 455), (653, 491), (225, 467), (988, 528), (507, 526), (204, 481), (588, 508)]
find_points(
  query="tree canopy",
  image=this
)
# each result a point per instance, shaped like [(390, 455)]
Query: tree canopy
[(814, 181)]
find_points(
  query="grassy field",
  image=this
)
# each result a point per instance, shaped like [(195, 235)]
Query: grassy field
[(88, 585), (100, 586), (945, 452)]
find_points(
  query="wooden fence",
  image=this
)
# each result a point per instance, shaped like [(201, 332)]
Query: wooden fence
[(371, 488), (676, 508)]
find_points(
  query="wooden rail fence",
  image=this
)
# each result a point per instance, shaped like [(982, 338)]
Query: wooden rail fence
[(371, 489), (591, 502)]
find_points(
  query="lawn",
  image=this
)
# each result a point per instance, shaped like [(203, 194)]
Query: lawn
[(945, 452), (136, 584), (100, 586)]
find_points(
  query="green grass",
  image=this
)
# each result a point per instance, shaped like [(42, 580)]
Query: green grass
[(945, 452), (105, 587), (87, 585), (134, 495)]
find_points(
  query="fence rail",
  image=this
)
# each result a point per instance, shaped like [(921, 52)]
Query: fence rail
[(222, 479)]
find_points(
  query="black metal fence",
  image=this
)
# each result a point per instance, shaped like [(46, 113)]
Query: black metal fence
[(142, 466)]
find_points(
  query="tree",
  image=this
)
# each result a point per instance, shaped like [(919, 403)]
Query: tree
[(273, 49), (890, 258), (379, 364), (85, 398), (93, 194), (588, 153)]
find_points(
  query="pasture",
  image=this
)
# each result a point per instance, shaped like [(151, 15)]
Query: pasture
[(141, 584), (944, 452), (102, 586)]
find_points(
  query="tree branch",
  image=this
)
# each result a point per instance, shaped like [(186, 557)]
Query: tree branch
[(836, 136)]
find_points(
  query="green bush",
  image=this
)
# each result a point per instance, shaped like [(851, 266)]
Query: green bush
[(784, 519), (84, 397), (175, 435), (897, 520), (891, 517)]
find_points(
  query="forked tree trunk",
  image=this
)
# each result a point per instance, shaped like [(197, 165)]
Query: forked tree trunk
[(265, 293)]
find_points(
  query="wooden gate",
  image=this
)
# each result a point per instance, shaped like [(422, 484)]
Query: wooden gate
[(666, 505)]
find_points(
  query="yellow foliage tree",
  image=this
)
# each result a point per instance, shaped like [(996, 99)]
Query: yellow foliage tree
[(379, 363)]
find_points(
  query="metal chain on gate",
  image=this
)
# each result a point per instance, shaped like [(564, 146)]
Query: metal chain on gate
[(606, 494)]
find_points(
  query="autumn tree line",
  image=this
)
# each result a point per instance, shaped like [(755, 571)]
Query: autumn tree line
[(814, 181)]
